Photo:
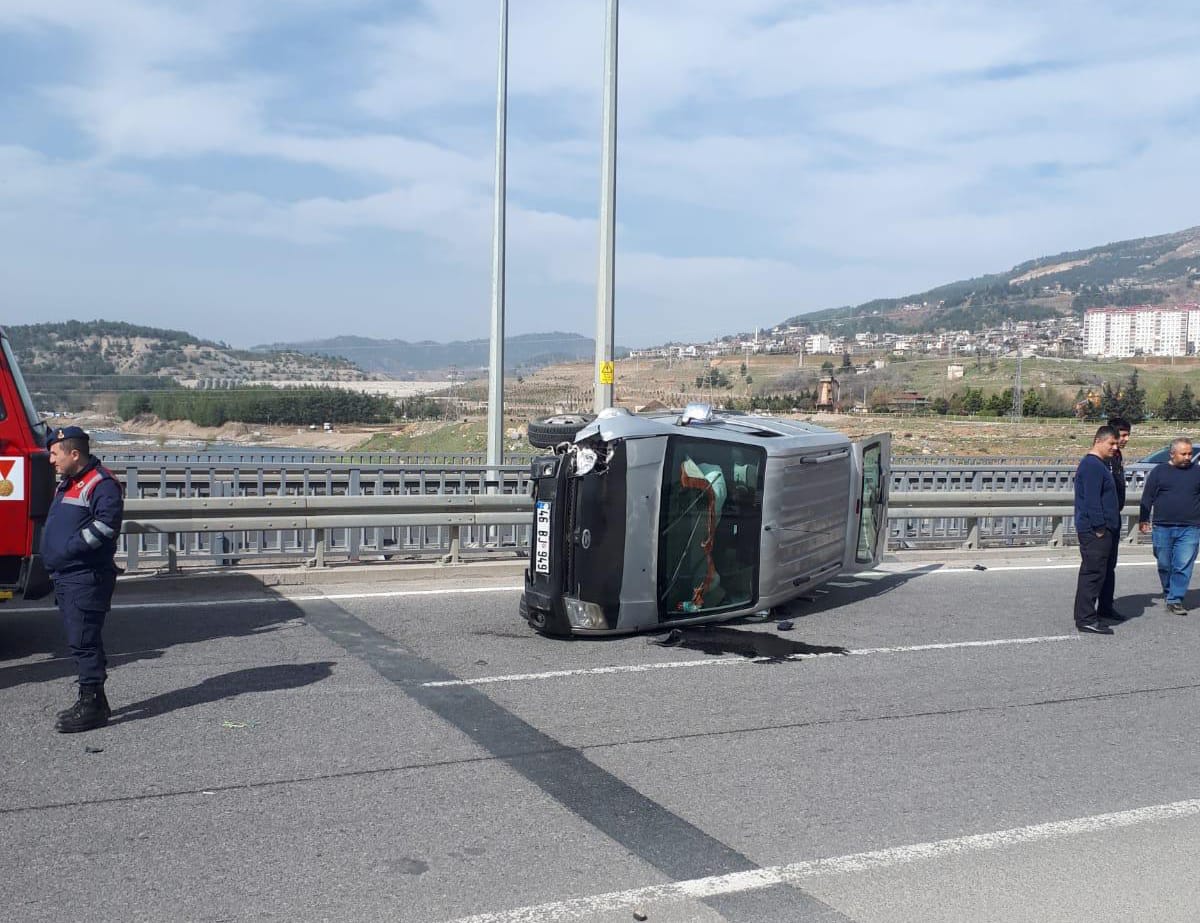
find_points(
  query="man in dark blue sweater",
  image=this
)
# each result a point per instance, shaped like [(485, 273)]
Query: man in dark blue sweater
[(1172, 494), (1098, 523)]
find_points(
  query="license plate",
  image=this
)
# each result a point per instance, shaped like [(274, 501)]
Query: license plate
[(541, 542)]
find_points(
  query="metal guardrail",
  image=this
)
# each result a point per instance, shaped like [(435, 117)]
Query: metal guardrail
[(973, 519), (223, 477), (354, 526), (314, 506)]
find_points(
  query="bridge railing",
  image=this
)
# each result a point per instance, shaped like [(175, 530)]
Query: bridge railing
[(146, 476), (317, 529)]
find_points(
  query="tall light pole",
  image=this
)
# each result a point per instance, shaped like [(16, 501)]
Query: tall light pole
[(495, 426), (608, 214)]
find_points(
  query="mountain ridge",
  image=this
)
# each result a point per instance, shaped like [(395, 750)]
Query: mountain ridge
[(402, 358), (1144, 270)]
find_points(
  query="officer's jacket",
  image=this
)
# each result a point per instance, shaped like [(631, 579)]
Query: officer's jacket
[(81, 528)]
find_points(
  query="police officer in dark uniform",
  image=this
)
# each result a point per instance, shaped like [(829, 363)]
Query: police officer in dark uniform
[(79, 540)]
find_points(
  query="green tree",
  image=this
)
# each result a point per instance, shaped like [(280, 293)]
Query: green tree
[(1134, 400), (973, 401), (1169, 408), (1000, 404), (1186, 406), (1112, 404)]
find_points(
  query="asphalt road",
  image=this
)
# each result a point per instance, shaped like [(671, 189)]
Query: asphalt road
[(930, 742)]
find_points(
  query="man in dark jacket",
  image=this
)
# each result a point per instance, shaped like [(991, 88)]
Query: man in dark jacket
[(79, 540), (1116, 464), (1172, 494), (1098, 524)]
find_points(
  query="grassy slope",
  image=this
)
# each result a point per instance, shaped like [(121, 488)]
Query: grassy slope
[(640, 380)]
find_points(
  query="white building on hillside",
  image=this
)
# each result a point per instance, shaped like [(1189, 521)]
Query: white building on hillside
[(818, 343), (1143, 330)]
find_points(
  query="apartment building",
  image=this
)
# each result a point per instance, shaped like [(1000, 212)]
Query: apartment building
[(1146, 330)]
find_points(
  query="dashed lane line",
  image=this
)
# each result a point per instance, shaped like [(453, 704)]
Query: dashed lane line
[(799, 872), (730, 662)]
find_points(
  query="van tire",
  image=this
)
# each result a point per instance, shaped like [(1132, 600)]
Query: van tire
[(550, 431)]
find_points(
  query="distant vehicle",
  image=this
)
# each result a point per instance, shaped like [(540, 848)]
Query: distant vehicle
[(643, 521), (26, 483), (1136, 472)]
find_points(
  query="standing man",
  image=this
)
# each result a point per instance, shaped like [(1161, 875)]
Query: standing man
[(1116, 464), (1172, 493), (1098, 523), (79, 540)]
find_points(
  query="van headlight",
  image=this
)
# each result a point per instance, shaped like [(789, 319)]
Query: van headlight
[(584, 615), (585, 461)]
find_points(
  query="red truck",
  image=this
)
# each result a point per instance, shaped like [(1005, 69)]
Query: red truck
[(26, 483)]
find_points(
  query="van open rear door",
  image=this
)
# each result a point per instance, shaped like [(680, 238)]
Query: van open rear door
[(871, 476)]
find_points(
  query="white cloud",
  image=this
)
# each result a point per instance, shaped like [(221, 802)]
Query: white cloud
[(775, 156)]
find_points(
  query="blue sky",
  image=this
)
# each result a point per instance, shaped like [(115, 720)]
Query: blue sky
[(263, 170)]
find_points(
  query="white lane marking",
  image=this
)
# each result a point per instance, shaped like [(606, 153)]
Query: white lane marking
[(1002, 568), (913, 571), (732, 661), (796, 873), (255, 600)]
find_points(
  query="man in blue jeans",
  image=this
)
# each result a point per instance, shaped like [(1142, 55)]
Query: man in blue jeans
[(1172, 494)]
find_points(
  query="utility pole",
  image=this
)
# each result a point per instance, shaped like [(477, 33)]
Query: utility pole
[(495, 425), (1018, 405), (608, 214)]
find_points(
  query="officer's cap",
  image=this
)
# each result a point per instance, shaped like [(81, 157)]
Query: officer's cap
[(66, 432)]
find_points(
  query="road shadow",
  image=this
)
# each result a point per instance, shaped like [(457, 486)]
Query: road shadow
[(149, 618), (843, 590), (1140, 605), (765, 647), (226, 686)]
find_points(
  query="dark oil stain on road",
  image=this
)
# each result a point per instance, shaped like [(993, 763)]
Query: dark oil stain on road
[(762, 646)]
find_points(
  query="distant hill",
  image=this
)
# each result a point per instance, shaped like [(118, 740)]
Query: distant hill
[(402, 359), (1149, 270), (66, 363)]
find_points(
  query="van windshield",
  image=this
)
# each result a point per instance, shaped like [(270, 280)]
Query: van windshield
[(31, 414), (710, 520)]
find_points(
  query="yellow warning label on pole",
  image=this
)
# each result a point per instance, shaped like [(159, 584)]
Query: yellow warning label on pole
[(606, 373)]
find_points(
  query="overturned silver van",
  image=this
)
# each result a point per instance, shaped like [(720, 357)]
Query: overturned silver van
[(643, 521)]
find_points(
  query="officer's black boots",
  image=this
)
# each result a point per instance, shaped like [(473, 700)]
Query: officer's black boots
[(89, 711)]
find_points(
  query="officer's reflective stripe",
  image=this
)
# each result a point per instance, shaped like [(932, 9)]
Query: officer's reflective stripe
[(104, 530), (93, 478), (91, 537), (75, 501)]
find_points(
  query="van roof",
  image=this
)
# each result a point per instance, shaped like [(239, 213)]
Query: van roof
[(775, 433)]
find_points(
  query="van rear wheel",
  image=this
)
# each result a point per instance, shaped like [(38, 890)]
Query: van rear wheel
[(550, 431)]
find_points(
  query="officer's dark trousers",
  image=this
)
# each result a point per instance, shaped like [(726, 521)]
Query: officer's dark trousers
[(83, 598), (1097, 575)]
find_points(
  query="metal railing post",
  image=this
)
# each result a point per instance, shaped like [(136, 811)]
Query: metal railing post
[(972, 541), (455, 547)]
